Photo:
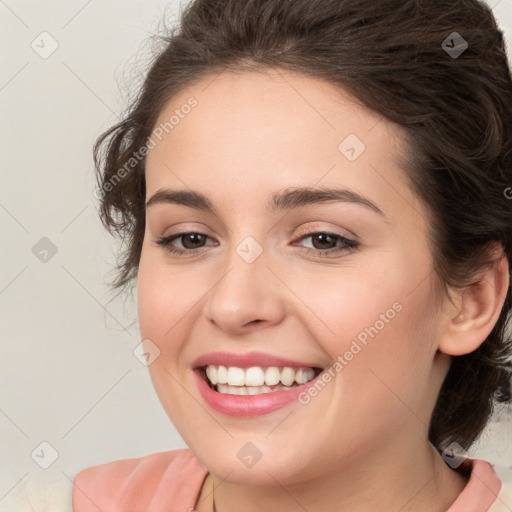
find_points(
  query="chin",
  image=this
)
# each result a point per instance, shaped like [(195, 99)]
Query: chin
[(233, 464)]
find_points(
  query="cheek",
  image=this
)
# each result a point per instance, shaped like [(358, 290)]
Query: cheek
[(381, 335), (389, 376), (353, 303), (165, 296)]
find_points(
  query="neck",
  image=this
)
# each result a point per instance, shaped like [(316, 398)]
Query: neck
[(396, 479)]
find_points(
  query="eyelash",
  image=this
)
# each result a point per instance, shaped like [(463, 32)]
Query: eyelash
[(348, 244)]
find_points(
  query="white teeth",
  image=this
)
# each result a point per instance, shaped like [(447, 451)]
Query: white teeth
[(222, 375), (236, 376), (240, 390), (272, 376), (250, 390), (211, 373), (257, 377), (287, 376), (301, 376), (254, 376)]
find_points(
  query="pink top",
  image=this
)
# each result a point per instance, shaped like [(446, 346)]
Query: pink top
[(171, 482)]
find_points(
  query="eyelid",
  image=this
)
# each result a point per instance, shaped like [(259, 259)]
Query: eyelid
[(301, 233), (345, 233)]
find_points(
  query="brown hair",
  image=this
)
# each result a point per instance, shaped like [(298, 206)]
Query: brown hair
[(397, 58)]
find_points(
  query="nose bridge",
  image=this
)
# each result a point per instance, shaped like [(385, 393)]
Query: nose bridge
[(247, 290)]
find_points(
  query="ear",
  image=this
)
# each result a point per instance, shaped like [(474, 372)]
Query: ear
[(476, 309)]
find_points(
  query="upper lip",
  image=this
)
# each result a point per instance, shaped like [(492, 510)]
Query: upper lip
[(248, 359)]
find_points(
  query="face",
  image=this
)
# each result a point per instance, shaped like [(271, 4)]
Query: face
[(333, 289)]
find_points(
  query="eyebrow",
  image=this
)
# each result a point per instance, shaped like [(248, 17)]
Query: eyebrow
[(284, 200)]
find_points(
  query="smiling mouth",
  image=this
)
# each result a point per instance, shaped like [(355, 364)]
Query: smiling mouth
[(255, 380)]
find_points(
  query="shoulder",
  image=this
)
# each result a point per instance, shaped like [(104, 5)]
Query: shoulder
[(156, 480), (482, 488)]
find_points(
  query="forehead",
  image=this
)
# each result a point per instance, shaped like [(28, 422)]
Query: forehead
[(271, 107), (274, 129)]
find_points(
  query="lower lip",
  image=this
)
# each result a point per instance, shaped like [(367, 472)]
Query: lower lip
[(248, 405)]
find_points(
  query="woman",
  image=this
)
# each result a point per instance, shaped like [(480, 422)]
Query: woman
[(314, 198)]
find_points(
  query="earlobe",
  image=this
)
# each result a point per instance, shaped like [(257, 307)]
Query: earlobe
[(478, 310)]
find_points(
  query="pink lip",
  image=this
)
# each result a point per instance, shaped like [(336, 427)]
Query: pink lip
[(246, 360), (247, 405)]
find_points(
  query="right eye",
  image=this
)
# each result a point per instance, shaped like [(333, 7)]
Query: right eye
[(191, 242)]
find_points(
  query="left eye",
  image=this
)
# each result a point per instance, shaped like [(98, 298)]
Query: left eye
[(321, 239), (324, 239)]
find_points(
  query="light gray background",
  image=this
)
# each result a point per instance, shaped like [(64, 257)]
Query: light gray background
[(68, 373)]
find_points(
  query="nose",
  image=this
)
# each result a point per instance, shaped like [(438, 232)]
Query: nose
[(248, 296)]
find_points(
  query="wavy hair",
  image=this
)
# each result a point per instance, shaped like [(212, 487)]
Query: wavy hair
[(401, 58)]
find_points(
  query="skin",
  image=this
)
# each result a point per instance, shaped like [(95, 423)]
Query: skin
[(362, 443)]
